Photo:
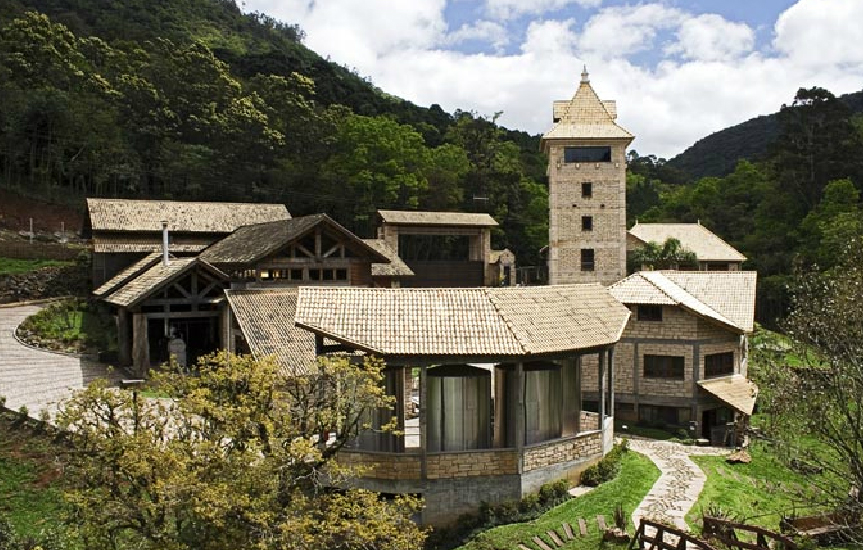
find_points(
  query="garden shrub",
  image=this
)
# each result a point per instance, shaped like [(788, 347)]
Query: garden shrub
[(607, 468)]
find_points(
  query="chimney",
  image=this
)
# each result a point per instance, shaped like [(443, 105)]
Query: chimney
[(165, 243)]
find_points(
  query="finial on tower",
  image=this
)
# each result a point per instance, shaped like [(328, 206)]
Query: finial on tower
[(584, 76)]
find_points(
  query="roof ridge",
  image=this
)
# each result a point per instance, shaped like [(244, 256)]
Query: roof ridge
[(490, 294), (720, 317)]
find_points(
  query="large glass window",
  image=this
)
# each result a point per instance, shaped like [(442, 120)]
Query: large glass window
[(719, 364), (664, 366), (587, 154)]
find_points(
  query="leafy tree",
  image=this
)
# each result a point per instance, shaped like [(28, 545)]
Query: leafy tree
[(234, 459), (814, 409), (668, 255)]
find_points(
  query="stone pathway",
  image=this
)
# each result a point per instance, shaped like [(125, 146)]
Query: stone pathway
[(37, 379), (678, 486)]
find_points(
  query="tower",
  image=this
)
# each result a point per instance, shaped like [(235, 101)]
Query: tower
[(587, 190)]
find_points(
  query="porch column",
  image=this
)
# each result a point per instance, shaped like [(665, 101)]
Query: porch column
[(124, 344), (578, 379), (422, 420), (601, 373), (225, 330), (140, 344), (519, 415), (611, 381), (399, 393)]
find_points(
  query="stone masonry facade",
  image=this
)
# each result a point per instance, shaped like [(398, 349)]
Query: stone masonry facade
[(560, 451), (606, 206)]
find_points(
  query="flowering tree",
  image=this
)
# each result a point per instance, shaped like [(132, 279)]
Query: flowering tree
[(232, 459)]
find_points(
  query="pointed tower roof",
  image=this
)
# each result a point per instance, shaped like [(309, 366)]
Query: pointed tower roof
[(584, 116)]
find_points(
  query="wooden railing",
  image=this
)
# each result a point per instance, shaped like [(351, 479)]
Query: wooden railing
[(726, 532), (681, 540)]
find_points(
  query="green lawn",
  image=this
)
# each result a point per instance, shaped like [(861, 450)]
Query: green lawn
[(757, 493), (30, 493), (13, 266), (72, 324), (637, 476)]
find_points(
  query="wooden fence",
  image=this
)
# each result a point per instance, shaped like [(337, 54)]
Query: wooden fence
[(729, 533), (678, 539)]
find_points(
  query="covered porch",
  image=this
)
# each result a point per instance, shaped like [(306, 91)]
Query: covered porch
[(486, 385)]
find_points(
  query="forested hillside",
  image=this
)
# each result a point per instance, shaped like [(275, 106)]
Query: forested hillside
[(195, 100), (800, 204), (754, 140)]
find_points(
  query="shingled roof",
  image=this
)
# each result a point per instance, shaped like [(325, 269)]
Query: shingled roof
[(128, 274), (266, 318), (203, 217), (124, 243), (396, 268), (253, 242), (706, 245), (724, 297), (584, 117), (735, 390), (475, 322), (139, 288), (409, 217)]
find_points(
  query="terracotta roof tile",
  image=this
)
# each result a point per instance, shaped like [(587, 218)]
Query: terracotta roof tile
[(692, 236), (208, 217), (585, 116), (735, 390), (465, 322), (396, 267), (406, 217)]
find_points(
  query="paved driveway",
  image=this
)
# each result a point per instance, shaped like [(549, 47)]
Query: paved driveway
[(38, 379)]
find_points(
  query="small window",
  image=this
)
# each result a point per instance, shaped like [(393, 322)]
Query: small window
[(664, 366), (265, 275), (329, 274), (586, 190), (719, 364), (296, 274), (315, 274), (650, 313), (341, 274), (587, 154), (587, 223), (587, 259)]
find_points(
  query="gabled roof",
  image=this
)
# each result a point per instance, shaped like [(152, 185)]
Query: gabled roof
[(396, 267), (692, 236), (723, 297), (125, 243), (128, 274), (204, 217), (585, 117), (253, 242), (153, 279), (409, 217), (465, 322), (266, 318)]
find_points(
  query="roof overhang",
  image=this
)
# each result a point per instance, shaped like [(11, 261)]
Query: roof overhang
[(736, 391)]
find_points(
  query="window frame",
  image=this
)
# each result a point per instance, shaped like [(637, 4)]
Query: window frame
[(663, 367), (587, 154), (714, 370), (647, 313), (588, 226), (587, 189), (585, 265)]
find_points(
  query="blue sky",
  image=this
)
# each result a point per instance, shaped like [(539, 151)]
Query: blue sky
[(679, 69)]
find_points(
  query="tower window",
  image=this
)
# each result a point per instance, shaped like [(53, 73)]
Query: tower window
[(649, 313), (587, 259), (587, 223), (587, 154), (586, 190)]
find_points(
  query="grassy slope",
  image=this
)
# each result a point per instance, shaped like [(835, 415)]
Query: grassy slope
[(757, 493), (30, 496), (637, 476), (12, 266)]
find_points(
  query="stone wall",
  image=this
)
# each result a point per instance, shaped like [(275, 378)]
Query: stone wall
[(47, 282), (589, 421), (607, 207), (559, 451), (447, 499), (389, 466), (471, 463)]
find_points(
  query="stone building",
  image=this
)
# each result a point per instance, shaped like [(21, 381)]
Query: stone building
[(682, 359), (587, 190), (713, 253), (473, 440), (123, 231)]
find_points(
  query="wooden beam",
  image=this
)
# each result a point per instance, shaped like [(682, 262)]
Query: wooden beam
[(180, 314), (140, 345), (519, 415)]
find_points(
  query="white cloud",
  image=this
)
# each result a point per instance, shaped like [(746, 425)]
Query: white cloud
[(621, 31), (482, 31), (821, 32), (710, 37), (507, 9), (709, 78)]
